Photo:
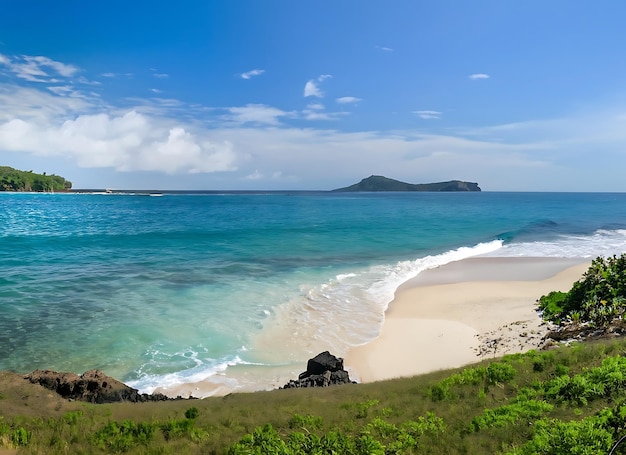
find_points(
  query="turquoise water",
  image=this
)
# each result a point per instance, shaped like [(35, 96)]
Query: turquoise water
[(181, 288)]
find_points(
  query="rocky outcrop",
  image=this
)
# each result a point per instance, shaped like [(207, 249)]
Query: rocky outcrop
[(375, 183), (323, 370), (583, 332), (92, 386)]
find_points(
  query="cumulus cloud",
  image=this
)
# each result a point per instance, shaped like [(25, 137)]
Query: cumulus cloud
[(428, 115), (252, 73), (478, 76), (311, 88), (348, 100), (129, 142)]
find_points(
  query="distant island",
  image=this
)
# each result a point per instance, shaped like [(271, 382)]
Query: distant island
[(380, 183), (15, 180)]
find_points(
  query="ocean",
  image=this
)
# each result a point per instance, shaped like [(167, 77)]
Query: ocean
[(241, 289)]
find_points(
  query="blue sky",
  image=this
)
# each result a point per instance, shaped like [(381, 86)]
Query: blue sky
[(248, 94)]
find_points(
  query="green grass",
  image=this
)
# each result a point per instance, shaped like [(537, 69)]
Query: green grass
[(569, 400)]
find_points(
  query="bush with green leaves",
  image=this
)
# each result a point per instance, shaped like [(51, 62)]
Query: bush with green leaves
[(598, 298), (577, 437), (305, 422), (522, 412), (120, 437), (496, 373), (376, 437)]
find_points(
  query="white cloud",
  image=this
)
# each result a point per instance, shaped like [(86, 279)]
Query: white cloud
[(256, 175), (161, 75), (311, 88), (478, 76), (383, 48), (110, 75), (315, 111), (61, 90), (318, 115), (37, 68), (129, 142), (84, 80), (156, 90), (348, 100), (542, 155), (428, 115), (255, 113), (29, 103), (250, 74)]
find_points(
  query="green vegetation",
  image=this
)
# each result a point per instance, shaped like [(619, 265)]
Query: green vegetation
[(14, 180), (570, 400), (598, 299)]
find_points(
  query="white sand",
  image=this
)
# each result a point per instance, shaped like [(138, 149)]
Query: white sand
[(462, 312)]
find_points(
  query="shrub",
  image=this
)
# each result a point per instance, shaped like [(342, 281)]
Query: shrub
[(305, 422), (551, 305), (21, 437), (264, 440), (499, 372), (584, 437), (120, 437), (175, 428), (192, 413), (524, 412), (599, 297)]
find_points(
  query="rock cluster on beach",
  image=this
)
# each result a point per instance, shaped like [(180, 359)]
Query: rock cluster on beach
[(518, 336), (521, 336), (584, 332), (323, 370), (92, 386)]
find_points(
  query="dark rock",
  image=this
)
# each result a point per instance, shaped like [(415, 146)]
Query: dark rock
[(323, 370), (322, 362), (581, 332), (92, 386)]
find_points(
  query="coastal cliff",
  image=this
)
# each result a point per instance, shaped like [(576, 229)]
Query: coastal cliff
[(380, 183)]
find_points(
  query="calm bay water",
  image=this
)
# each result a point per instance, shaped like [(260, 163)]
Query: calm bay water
[(180, 288)]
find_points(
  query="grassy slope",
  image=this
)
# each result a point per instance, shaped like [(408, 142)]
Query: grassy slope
[(223, 421)]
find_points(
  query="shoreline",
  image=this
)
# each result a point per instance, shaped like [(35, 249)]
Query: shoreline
[(446, 317), (461, 313)]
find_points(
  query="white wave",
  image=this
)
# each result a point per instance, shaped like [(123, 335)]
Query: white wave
[(343, 276), (148, 383), (601, 243), (345, 312), (383, 290)]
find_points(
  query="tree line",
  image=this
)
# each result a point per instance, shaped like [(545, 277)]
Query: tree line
[(16, 180)]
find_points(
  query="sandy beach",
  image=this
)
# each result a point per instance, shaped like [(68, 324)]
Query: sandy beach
[(463, 312)]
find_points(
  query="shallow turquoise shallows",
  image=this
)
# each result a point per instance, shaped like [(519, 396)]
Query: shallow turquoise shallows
[(172, 289)]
